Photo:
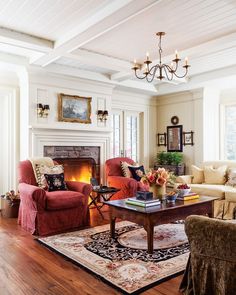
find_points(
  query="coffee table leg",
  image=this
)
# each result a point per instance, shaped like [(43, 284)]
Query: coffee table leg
[(112, 226), (150, 230)]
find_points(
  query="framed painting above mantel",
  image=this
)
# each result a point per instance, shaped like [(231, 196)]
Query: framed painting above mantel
[(175, 138), (73, 108)]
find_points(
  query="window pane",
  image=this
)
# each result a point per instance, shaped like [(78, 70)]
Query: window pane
[(131, 138), (230, 132), (116, 135)]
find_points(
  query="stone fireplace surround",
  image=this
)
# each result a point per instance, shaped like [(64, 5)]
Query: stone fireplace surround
[(74, 159), (42, 137)]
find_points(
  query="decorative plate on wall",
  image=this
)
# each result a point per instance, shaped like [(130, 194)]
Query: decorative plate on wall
[(174, 120)]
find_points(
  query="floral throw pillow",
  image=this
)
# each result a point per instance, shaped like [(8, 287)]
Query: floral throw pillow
[(125, 168), (137, 172), (56, 182), (42, 169), (231, 177)]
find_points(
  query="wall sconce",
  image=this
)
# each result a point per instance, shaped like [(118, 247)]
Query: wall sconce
[(102, 115), (43, 110)]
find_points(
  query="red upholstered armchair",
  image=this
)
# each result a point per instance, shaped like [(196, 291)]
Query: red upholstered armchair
[(128, 186), (42, 212)]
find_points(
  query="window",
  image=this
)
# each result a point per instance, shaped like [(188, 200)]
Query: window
[(229, 132), (125, 137)]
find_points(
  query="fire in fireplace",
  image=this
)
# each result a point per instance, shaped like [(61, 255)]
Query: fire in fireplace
[(79, 169)]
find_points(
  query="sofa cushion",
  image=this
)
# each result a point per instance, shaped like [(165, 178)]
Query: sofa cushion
[(213, 190), (198, 174), (63, 200), (215, 175)]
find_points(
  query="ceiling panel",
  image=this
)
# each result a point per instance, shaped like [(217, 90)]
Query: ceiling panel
[(186, 23), (49, 19)]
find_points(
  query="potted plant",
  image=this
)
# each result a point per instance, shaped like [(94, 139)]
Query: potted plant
[(171, 161), (10, 204)]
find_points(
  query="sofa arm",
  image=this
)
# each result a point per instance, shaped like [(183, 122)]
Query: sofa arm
[(184, 179), (81, 187), (32, 196)]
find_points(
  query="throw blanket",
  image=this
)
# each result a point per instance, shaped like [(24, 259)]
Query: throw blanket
[(40, 161)]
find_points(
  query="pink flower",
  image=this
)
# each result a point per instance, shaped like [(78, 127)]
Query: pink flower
[(160, 181), (151, 179)]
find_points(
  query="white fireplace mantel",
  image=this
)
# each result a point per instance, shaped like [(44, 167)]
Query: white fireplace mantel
[(40, 137)]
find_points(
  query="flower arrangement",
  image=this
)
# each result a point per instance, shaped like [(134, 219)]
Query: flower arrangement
[(11, 196), (158, 177)]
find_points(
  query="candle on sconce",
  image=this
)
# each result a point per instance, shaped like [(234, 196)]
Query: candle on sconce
[(135, 62), (186, 61), (147, 55)]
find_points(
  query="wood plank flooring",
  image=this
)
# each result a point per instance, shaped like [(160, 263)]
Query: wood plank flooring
[(28, 268)]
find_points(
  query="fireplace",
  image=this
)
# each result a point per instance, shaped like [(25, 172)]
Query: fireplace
[(80, 163)]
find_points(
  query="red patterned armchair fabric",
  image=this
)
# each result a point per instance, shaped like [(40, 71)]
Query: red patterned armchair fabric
[(128, 186), (43, 213)]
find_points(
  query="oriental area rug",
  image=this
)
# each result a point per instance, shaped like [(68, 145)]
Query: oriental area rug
[(123, 262)]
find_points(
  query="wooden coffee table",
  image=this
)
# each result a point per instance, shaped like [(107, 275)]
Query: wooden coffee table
[(165, 213)]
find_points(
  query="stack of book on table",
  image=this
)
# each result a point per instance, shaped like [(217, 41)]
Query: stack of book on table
[(190, 196), (142, 203)]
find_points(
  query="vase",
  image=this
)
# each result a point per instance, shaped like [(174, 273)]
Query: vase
[(158, 191)]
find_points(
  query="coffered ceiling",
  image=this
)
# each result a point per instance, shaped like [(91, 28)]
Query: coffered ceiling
[(98, 39)]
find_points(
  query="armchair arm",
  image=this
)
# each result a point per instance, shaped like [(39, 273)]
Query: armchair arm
[(208, 236), (81, 187), (121, 181), (213, 252), (32, 196), (184, 179)]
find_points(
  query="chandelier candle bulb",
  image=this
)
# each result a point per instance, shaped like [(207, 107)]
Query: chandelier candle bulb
[(186, 61), (147, 54), (176, 54)]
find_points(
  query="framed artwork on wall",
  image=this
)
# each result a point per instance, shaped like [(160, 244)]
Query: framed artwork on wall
[(161, 139), (174, 138), (73, 108), (188, 138)]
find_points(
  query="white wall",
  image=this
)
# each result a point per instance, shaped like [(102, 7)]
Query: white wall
[(9, 147), (44, 88), (211, 123), (188, 106)]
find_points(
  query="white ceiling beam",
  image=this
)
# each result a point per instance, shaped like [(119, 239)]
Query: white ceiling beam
[(23, 40), (92, 28), (73, 72), (98, 60), (121, 76), (68, 43)]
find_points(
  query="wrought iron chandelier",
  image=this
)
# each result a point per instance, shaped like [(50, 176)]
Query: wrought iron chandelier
[(160, 70)]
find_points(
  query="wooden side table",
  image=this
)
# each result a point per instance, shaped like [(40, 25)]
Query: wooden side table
[(102, 194)]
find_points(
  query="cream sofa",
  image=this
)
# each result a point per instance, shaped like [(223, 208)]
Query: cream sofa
[(225, 206)]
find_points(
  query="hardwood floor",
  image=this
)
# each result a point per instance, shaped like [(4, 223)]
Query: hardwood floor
[(27, 267)]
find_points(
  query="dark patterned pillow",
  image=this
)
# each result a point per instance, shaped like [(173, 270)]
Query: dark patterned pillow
[(55, 182), (137, 172)]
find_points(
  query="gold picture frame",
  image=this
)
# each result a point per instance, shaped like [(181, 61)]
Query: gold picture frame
[(74, 108)]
